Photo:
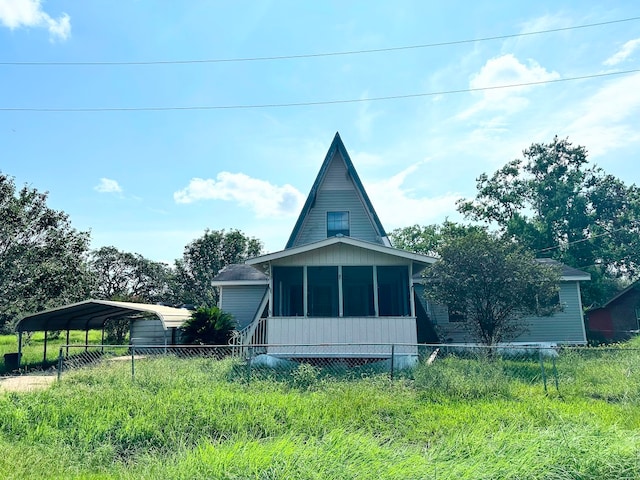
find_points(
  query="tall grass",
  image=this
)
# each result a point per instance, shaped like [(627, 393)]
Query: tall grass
[(200, 418)]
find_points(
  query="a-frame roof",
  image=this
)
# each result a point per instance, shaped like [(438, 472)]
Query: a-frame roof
[(337, 147)]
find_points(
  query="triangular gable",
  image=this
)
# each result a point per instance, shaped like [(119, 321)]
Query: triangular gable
[(328, 190)]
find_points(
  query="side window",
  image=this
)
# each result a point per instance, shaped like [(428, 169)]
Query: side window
[(546, 306), (337, 224), (456, 316)]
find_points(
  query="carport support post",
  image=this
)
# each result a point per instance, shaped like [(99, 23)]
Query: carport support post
[(19, 347), (102, 340), (60, 364), (67, 343), (44, 358), (86, 341)]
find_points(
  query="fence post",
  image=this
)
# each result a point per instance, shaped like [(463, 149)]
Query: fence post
[(544, 376), (249, 352), (555, 374), (393, 348), (133, 363), (60, 364)]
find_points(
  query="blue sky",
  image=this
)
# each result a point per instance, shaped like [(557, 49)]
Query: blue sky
[(151, 181)]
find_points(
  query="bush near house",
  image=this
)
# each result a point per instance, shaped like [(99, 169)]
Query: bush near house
[(208, 326)]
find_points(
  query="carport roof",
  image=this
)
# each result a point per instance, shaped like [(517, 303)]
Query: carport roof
[(92, 314)]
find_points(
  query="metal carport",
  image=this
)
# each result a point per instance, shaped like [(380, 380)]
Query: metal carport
[(92, 315)]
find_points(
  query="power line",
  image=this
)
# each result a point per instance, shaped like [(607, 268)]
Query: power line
[(581, 240), (326, 54), (306, 104)]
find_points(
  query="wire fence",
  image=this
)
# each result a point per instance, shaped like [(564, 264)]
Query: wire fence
[(439, 370)]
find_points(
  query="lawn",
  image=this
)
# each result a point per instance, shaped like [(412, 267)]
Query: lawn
[(200, 418)]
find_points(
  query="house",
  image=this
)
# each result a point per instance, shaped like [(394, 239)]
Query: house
[(618, 319), (565, 326), (340, 289)]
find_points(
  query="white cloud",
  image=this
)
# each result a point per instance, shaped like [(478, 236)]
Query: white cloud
[(546, 22), (365, 118), (108, 185), (624, 53), (397, 207), (28, 13), (608, 119), (264, 198), (506, 70)]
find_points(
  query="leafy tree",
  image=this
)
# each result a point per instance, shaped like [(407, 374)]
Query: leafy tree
[(128, 277), (428, 239), (556, 204), (204, 257), (208, 326), (42, 258), (493, 283)]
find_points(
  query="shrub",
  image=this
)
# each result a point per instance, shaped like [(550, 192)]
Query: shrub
[(208, 326)]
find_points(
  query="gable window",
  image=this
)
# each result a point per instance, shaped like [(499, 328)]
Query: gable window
[(546, 306), (337, 224)]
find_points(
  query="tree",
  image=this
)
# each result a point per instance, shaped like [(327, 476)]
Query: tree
[(42, 258), (493, 283), (128, 277), (208, 326), (554, 203), (428, 239), (204, 257)]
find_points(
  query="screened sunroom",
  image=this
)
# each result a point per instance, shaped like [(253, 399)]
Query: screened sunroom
[(341, 291)]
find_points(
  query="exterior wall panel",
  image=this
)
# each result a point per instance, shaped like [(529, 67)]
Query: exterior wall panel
[(315, 226), (345, 255), (242, 301), (148, 332), (349, 336), (566, 326)]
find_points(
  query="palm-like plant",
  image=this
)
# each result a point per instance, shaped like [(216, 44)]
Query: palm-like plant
[(208, 326)]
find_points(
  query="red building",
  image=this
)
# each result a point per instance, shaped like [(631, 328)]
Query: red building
[(618, 319)]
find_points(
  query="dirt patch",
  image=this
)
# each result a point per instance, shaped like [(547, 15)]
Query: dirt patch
[(26, 383)]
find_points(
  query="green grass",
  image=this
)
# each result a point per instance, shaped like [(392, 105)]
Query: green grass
[(33, 348), (457, 419)]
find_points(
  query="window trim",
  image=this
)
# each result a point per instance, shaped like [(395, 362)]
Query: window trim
[(342, 230)]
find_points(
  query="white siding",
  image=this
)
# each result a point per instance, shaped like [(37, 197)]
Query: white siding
[(566, 326), (365, 335), (337, 177), (337, 193), (340, 254), (148, 332), (242, 301)]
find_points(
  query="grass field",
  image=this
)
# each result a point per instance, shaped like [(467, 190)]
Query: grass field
[(33, 347), (198, 418)]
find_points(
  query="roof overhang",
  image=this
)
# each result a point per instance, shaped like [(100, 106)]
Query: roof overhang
[(575, 278), (92, 314), (420, 259), (226, 283)]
